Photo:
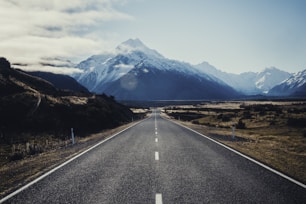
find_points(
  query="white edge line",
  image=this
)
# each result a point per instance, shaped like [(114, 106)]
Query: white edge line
[(245, 156), (158, 198), (65, 163)]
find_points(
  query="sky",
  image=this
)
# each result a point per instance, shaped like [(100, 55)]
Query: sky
[(233, 35)]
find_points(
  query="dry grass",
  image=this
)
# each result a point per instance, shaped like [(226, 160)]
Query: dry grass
[(268, 136), (15, 174)]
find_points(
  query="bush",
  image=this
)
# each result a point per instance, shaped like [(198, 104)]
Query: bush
[(16, 156), (225, 118), (196, 122), (296, 122), (247, 115), (240, 125)]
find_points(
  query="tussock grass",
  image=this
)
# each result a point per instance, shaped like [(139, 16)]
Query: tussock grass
[(14, 174), (273, 133)]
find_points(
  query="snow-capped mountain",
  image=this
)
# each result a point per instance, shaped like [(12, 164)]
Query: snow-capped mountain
[(270, 77), (136, 72), (249, 83), (100, 70), (294, 86)]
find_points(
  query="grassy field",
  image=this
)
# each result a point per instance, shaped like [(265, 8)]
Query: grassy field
[(22, 162), (271, 132), (16, 173)]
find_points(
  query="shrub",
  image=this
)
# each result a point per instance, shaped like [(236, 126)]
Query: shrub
[(16, 156), (247, 115), (196, 122), (296, 122), (240, 125), (225, 118)]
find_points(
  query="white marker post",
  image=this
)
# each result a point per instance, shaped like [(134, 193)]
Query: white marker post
[(72, 136), (233, 132)]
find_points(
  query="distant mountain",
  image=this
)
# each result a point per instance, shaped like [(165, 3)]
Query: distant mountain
[(136, 72), (249, 83), (294, 86), (33, 106), (269, 77), (60, 81)]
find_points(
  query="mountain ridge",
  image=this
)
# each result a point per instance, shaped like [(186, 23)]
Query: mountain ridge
[(294, 86), (136, 65), (60, 81), (249, 83)]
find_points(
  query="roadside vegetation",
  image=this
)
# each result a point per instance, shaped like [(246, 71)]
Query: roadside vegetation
[(36, 119), (271, 132)]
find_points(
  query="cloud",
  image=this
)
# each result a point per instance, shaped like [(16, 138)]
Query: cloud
[(124, 66), (34, 30)]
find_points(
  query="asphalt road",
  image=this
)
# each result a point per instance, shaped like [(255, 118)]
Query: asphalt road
[(157, 161)]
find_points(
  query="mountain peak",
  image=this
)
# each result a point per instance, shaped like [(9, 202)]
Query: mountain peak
[(271, 69), (135, 43), (132, 45)]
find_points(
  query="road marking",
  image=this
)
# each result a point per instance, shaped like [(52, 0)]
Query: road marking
[(156, 133), (245, 156), (65, 163), (156, 139), (156, 156), (158, 198)]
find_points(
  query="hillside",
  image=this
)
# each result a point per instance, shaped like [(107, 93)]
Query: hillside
[(60, 81), (31, 106)]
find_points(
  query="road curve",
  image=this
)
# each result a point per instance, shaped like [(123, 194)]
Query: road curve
[(158, 161)]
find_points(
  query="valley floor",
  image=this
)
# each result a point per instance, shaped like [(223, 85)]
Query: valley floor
[(271, 132)]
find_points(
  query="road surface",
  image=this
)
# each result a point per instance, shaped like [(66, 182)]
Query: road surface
[(158, 161)]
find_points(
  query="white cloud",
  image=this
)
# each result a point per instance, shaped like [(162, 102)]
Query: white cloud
[(57, 70), (35, 30), (124, 66)]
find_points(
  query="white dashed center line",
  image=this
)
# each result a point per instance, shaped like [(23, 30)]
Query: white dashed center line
[(156, 156), (158, 198)]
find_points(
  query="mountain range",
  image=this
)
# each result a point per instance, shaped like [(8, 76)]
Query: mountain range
[(249, 83), (293, 86), (132, 71), (135, 72)]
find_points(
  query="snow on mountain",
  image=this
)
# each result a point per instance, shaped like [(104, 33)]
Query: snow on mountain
[(134, 71), (270, 77), (104, 68), (110, 67), (293, 86), (249, 83), (135, 45)]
